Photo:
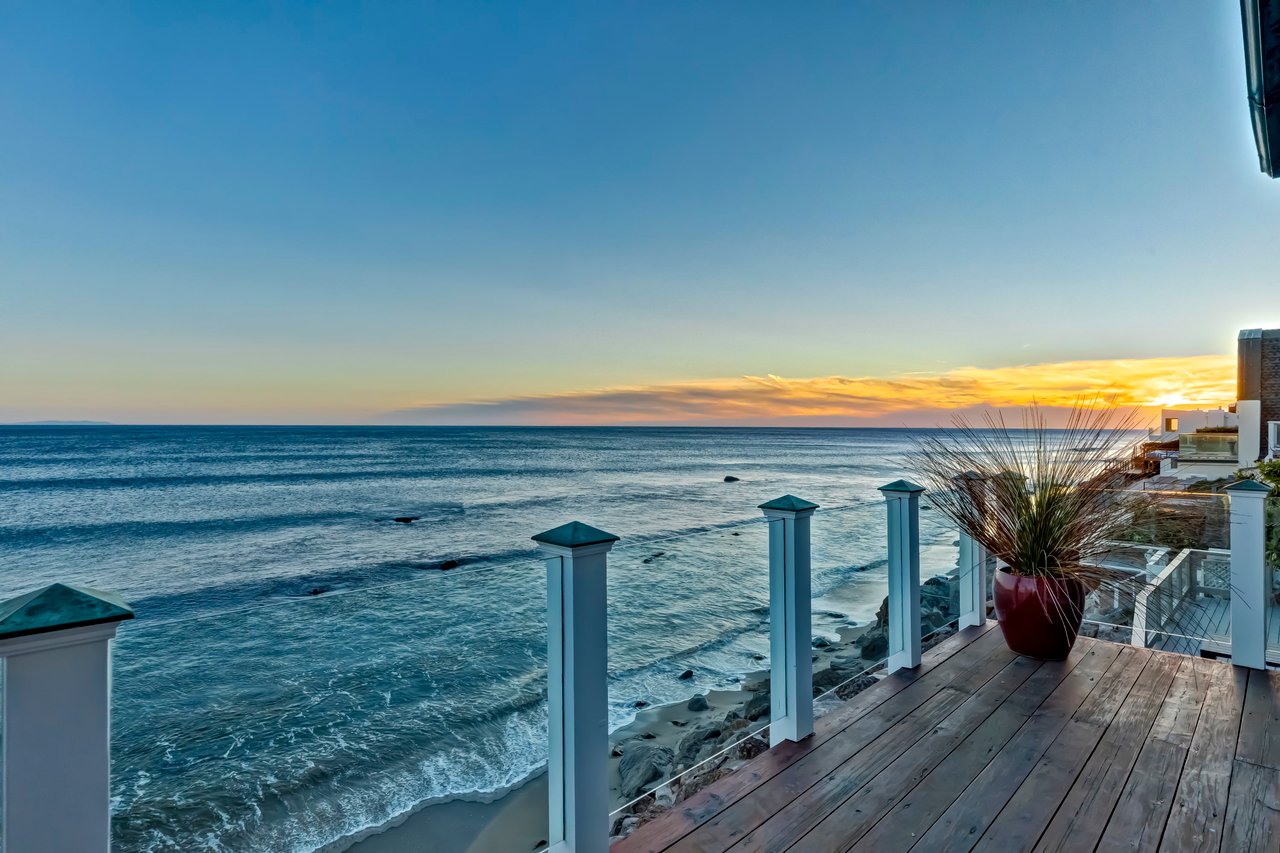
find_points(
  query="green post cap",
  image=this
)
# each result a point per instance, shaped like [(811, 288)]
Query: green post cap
[(789, 503), (1248, 486), (575, 534), (902, 486), (57, 607)]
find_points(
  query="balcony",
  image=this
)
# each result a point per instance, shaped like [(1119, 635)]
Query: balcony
[(962, 746), (978, 749), (1208, 447)]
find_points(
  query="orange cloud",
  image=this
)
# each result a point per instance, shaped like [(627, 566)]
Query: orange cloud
[(916, 399)]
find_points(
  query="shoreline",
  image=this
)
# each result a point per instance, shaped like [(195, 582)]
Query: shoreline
[(661, 742)]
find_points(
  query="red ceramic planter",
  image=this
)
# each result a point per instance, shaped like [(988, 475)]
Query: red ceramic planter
[(1039, 617)]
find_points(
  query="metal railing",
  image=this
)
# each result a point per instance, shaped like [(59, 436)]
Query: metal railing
[(1154, 607)]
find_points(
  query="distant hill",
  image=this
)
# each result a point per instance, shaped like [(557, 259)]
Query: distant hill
[(61, 423)]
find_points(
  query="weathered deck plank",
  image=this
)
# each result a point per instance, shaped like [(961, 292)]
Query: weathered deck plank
[(859, 811), (1138, 820), (1133, 700), (913, 814), (1253, 810), (963, 823), (1259, 741), (1200, 806)]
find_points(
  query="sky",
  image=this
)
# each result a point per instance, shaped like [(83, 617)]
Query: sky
[(860, 213)]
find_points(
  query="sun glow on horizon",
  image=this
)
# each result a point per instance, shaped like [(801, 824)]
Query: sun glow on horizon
[(907, 399)]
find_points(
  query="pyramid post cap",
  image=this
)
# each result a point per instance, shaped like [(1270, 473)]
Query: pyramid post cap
[(789, 503), (60, 606), (575, 534), (904, 486), (1248, 486)]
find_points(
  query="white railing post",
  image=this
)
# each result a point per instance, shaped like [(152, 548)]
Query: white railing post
[(1250, 576), (790, 619), (577, 687), (973, 582), (902, 499), (55, 644), (972, 565)]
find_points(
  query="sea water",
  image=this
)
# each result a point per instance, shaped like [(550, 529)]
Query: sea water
[(303, 667)]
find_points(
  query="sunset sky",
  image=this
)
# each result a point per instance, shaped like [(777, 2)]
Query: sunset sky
[(671, 212)]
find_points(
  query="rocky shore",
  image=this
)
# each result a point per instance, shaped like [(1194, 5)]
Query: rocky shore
[(692, 744)]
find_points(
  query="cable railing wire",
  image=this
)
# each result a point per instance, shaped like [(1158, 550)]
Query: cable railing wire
[(331, 594), (1162, 632), (427, 576)]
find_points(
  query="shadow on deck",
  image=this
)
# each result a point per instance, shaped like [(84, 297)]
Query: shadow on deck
[(1115, 748)]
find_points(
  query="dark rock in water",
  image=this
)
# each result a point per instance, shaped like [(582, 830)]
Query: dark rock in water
[(735, 533), (821, 642), (639, 703), (616, 752), (406, 519), (443, 565), (875, 647), (679, 724), (757, 657), (319, 590), (925, 507), (731, 479), (686, 675), (648, 736), (698, 703), (641, 764)]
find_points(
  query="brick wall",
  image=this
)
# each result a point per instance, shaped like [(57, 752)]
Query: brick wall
[(1270, 382)]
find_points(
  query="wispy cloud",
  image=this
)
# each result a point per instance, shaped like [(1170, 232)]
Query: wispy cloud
[(911, 399)]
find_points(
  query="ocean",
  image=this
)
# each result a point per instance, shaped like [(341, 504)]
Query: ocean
[(303, 667)]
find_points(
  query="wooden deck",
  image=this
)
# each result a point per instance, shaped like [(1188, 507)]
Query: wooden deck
[(1117, 748), (1213, 616)]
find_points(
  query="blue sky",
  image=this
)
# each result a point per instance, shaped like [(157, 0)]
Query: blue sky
[(326, 212)]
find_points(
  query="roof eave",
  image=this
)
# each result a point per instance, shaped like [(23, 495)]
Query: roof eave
[(1261, 23)]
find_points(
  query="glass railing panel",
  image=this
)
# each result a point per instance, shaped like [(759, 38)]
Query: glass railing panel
[(689, 692), (850, 582), (1208, 445), (305, 722), (1172, 569)]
